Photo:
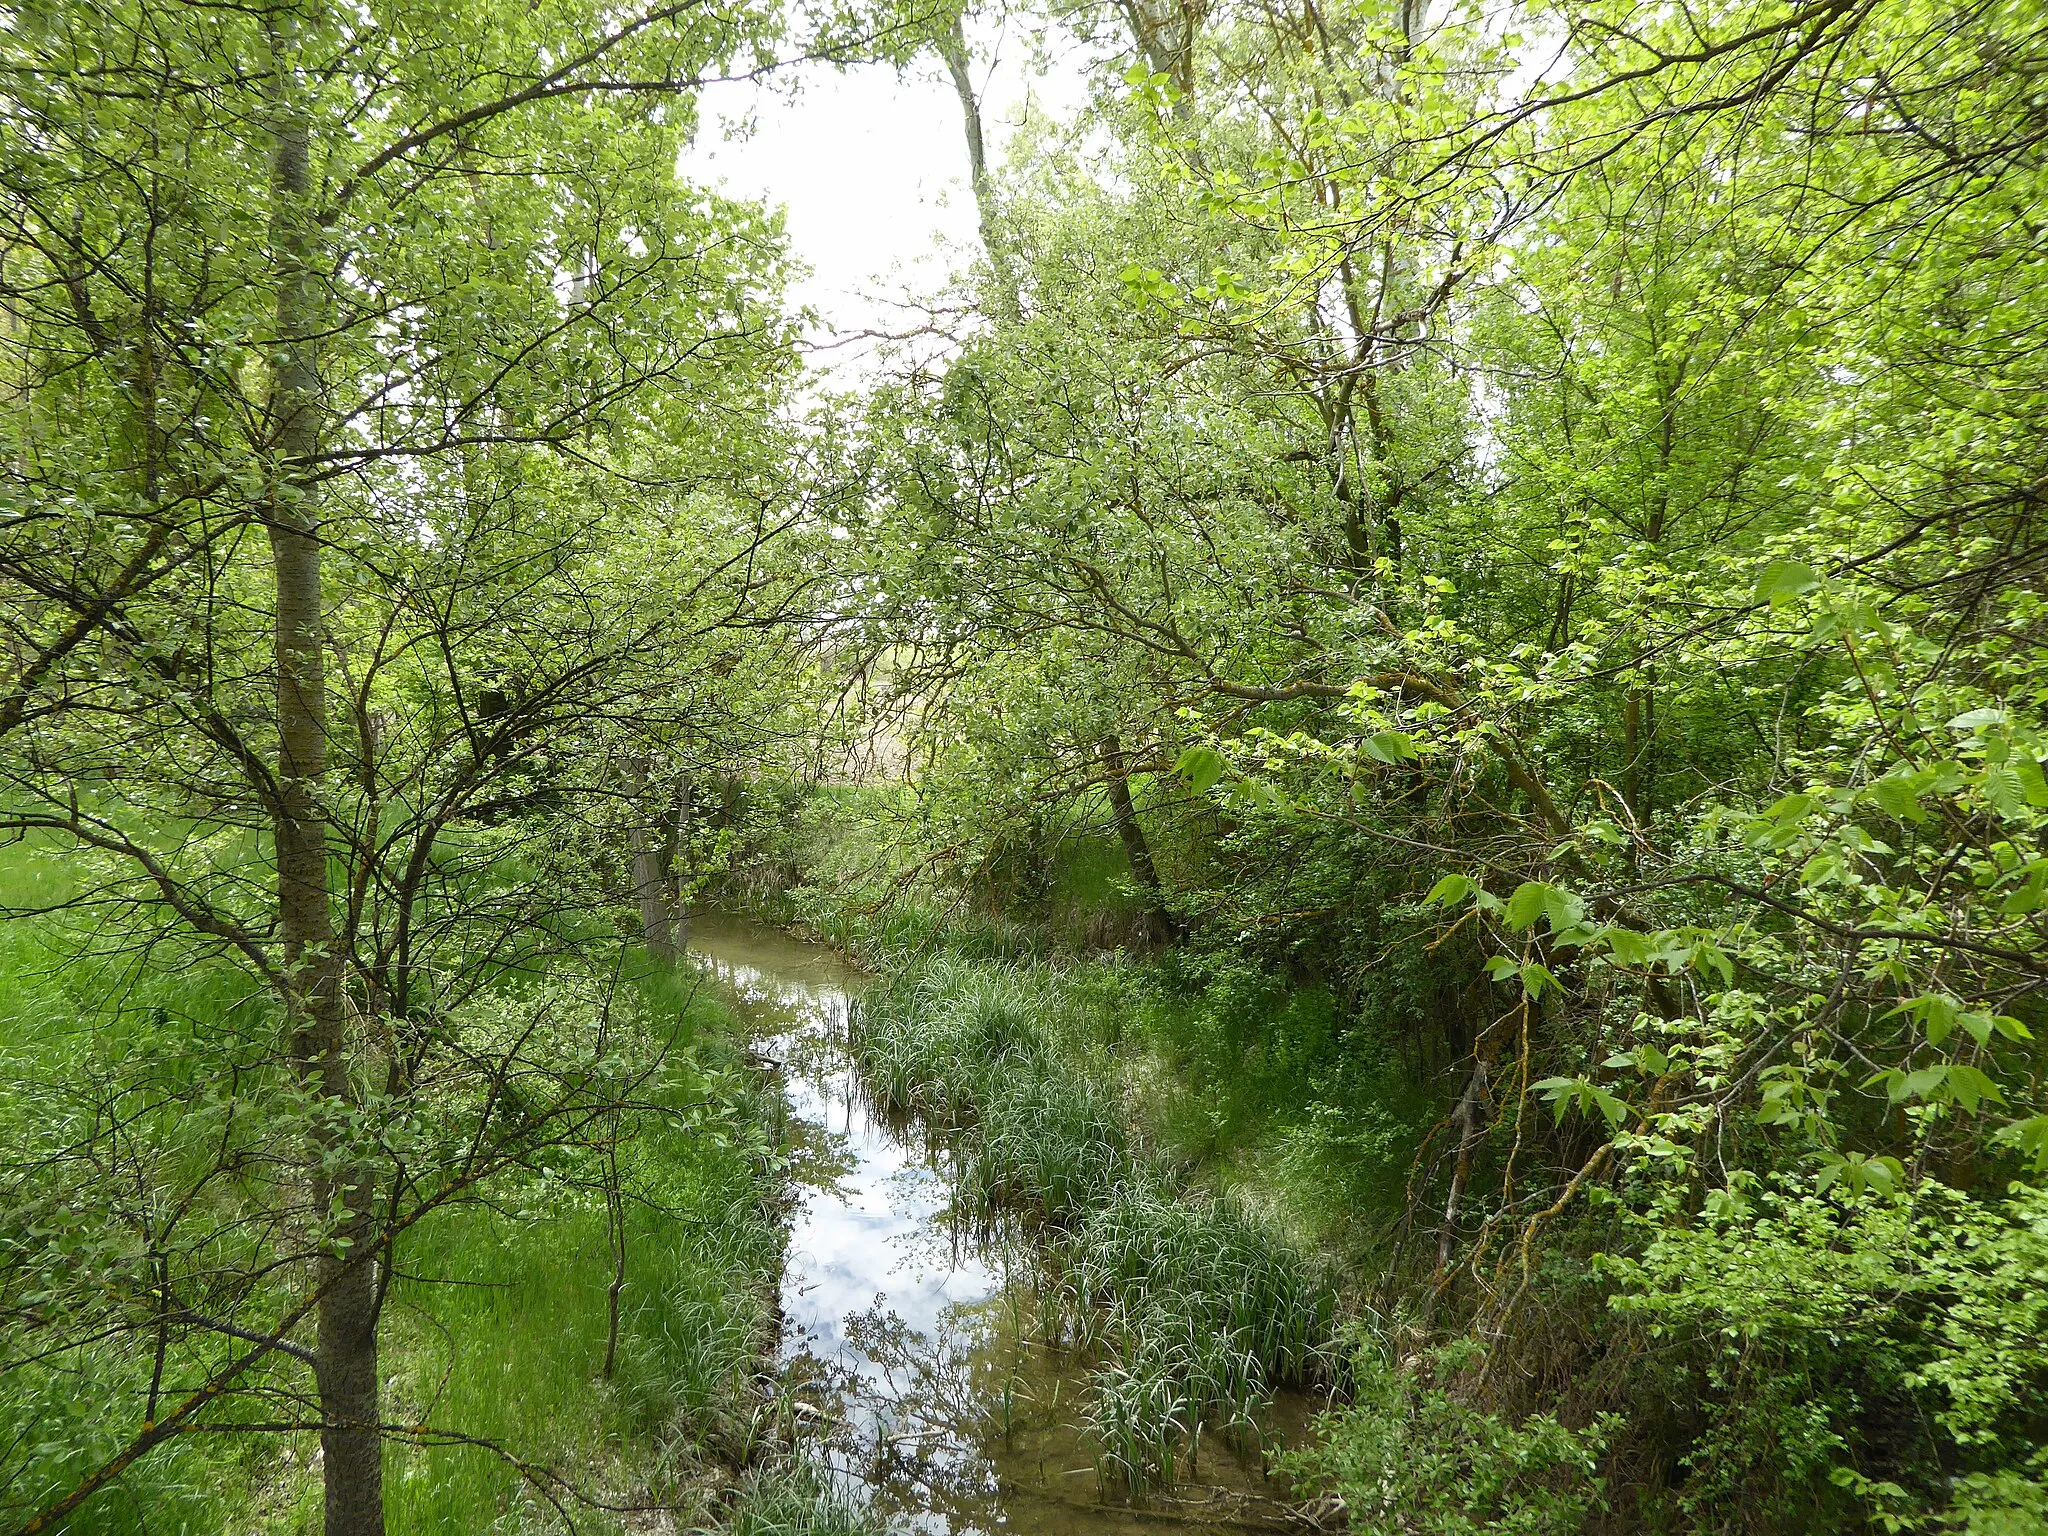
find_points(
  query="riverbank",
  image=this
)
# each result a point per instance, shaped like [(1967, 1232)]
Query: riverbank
[(516, 1403), (972, 1348), (1193, 1313), (1209, 1292)]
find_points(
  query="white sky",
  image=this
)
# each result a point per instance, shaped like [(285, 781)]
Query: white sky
[(872, 168)]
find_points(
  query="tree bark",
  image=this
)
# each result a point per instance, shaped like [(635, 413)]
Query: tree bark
[(650, 884), (1137, 851), (345, 1356), (1165, 33), (1470, 1120), (953, 49), (676, 866)]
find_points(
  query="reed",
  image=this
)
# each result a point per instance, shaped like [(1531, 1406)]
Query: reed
[(800, 1499), (1194, 1310)]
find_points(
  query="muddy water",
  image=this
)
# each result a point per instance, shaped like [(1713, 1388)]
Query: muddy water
[(907, 1340)]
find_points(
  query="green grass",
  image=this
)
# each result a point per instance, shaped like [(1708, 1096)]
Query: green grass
[(1193, 1309), (503, 1331), (797, 1500), (496, 1328)]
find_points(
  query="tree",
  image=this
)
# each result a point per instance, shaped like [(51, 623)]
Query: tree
[(1581, 543), (427, 308)]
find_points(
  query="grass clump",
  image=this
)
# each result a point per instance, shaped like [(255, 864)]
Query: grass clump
[(800, 1499), (1195, 1310)]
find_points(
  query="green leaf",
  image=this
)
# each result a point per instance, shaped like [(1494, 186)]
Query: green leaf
[(1646, 1059), (1709, 956), (1612, 1110), (1389, 747), (2032, 784), (2029, 1138), (1500, 967), (1559, 1092), (1202, 767), (1970, 1087), (1536, 898), (1627, 946), (1858, 1172), (1564, 1094), (1564, 910), (1725, 1204), (2002, 788), (1452, 890), (1919, 1085), (1783, 580), (1896, 793), (1977, 719), (1529, 902), (1937, 1013), (1536, 979), (2031, 895)]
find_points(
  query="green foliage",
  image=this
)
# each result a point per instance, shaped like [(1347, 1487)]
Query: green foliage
[(1565, 570), (497, 1332), (1193, 1309), (1408, 1455)]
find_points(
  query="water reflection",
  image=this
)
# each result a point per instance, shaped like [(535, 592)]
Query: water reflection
[(908, 1346)]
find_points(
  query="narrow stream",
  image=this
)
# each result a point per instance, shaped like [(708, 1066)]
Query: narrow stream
[(907, 1338)]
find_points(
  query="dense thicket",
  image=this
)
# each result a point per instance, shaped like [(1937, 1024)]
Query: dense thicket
[(1538, 537), (1513, 540), (391, 441)]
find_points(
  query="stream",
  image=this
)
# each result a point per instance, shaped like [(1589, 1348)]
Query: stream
[(907, 1339)]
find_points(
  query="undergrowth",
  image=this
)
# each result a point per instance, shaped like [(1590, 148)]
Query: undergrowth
[(497, 1323), (502, 1323), (1193, 1309)]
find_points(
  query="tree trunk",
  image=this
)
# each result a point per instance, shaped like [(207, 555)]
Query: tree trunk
[(676, 867), (615, 1227), (953, 49), (1638, 732), (649, 884), (1469, 1119), (345, 1355), (1137, 852), (1165, 33)]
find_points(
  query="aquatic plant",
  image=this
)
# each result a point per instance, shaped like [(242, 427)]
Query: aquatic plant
[(1194, 1310), (796, 1499)]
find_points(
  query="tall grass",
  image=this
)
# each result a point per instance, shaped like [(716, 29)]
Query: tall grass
[(496, 1327), (85, 1039), (502, 1330), (1194, 1310), (797, 1500)]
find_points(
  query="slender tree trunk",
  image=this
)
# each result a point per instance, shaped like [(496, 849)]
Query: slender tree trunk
[(1470, 1120), (345, 1367), (1137, 852), (953, 49), (649, 884), (676, 867), (615, 1226)]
